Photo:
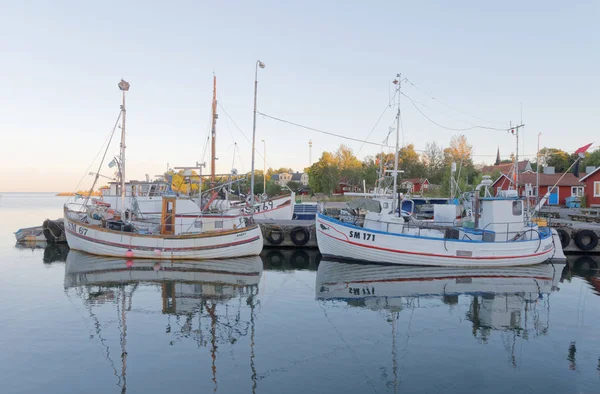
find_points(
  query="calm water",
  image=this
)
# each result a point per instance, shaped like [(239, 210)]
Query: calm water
[(82, 324)]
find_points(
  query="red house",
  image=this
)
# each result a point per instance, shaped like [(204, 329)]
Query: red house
[(568, 186), (415, 185), (592, 187), (344, 187)]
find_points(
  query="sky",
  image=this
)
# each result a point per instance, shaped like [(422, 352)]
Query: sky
[(328, 66)]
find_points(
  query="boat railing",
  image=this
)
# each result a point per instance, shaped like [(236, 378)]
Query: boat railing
[(514, 235)]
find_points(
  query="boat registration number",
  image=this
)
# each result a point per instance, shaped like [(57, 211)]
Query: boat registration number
[(361, 235), (80, 230)]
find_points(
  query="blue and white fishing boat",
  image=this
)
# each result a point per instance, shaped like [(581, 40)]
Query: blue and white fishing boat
[(499, 235)]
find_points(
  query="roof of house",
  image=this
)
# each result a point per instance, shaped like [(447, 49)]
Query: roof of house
[(591, 173), (569, 179), (414, 181), (505, 167), (297, 176)]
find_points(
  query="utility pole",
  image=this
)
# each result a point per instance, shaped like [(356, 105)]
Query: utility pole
[(515, 132), (309, 153), (214, 134)]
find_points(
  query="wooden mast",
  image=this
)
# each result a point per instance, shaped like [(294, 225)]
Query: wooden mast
[(213, 152)]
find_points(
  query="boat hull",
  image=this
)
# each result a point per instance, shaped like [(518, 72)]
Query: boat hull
[(346, 241), (209, 245)]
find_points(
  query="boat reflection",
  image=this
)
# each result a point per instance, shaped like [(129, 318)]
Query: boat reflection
[(213, 302), (499, 297)]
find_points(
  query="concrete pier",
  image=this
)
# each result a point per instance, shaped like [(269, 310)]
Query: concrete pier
[(288, 233)]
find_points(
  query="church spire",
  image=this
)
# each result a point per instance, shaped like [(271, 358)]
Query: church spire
[(497, 157)]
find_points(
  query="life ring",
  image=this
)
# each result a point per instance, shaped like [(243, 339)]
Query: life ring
[(300, 259), (582, 242), (274, 258), (300, 236), (274, 235), (565, 238)]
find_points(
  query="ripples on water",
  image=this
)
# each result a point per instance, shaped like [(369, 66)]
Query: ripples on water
[(288, 322)]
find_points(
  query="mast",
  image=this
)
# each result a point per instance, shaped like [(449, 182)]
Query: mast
[(124, 86), (261, 65), (213, 150), (394, 202)]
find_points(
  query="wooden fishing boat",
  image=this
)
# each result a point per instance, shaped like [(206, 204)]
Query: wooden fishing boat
[(97, 229)]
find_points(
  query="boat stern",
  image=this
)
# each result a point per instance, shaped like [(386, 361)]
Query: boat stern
[(559, 255)]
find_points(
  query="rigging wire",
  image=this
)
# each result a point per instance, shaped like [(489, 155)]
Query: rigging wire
[(378, 120), (444, 114), (378, 144), (95, 157), (239, 129), (449, 128), (323, 131), (448, 105)]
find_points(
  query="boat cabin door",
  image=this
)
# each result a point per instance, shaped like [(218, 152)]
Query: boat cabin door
[(167, 221)]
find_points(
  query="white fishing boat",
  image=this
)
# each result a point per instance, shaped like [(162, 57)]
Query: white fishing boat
[(95, 229), (500, 236)]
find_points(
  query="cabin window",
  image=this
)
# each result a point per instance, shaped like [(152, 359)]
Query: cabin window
[(198, 224), (386, 205), (576, 191), (219, 224), (170, 207), (517, 208)]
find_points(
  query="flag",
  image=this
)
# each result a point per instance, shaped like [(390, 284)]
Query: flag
[(581, 152), (583, 149)]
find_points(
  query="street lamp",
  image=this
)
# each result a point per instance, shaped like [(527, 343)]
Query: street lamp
[(264, 166), (261, 65)]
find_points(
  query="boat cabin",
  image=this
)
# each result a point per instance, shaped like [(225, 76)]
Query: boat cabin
[(137, 189)]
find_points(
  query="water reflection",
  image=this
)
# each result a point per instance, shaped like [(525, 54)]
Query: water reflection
[(212, 302), (513, 301)]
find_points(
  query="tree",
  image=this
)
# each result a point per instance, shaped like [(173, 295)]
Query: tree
[(294, 186), (433, 160), (409, 161), (593, 159), (324, 175), (459, 151), (557, 158), (273, 189)]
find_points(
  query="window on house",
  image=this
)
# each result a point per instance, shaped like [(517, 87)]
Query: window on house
[(517, 208), (596, 189), (576, 191)]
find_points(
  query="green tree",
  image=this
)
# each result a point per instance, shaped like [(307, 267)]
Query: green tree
[(324, 175), (273, 189), (294, 186), (593, 159), (557, 158)]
